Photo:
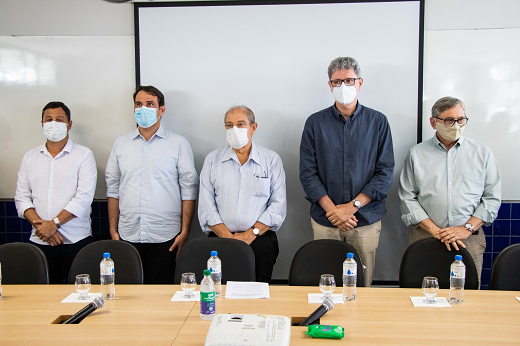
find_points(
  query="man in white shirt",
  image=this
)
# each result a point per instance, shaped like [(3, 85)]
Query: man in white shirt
[(152, 186), (54, 192)]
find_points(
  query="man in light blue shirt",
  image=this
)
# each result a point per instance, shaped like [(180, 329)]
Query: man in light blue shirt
[(152, 188), (242, 192), (450, 185)]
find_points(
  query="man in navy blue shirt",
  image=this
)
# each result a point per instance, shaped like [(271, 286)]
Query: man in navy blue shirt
[(346, 166)]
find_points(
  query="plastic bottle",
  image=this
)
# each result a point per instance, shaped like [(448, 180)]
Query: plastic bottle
[(215, 266), (106, 269), (457, 280), (349, 277), (207, 297)]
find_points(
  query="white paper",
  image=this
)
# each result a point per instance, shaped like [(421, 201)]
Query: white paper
[(318, 298), (440, 302), (247, 290), (518, 298), (73, 298), (179, 297)]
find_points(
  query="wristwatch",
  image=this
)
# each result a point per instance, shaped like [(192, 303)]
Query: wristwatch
[(470, 227), (57, 223), (256, 231), (357, 203)]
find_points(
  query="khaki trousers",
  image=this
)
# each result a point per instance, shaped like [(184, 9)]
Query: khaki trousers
[(475, 244), (364, 239)]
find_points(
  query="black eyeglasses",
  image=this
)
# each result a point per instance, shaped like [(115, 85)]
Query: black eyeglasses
[(348, 81), (451, 121)]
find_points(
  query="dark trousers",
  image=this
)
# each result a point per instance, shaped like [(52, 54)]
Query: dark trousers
[(158, 261), (266, 251), (60, 258)]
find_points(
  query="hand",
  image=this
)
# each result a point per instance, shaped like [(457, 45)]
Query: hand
[(180, 240), (342, 213), (247, 237), (453, 236), (55, 239), (115, 235), (44, 229), (349, 224)]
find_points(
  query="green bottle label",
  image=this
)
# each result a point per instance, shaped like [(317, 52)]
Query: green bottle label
[(207, 303)]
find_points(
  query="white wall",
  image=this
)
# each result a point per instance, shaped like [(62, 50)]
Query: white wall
[(96, 74)]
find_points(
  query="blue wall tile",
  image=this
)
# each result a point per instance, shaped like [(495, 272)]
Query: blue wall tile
[(489, 243), (14, 237), (95, 209), (2, 238), (26, 226), (515, 227), (13, 224), (2, 209), (515, 240), (486, 274), (500, 243), (487, 260), (504, 213), (103, 209), (502, 227), (10, 209), (515, 211)]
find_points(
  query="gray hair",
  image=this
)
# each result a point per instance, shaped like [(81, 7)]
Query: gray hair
[(444, 104), (344, 63), (246, 110)]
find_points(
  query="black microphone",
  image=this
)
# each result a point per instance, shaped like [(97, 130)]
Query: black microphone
[(87, 310), (327, 305)]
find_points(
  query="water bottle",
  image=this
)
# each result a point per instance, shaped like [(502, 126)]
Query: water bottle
[(349, 277), (457, 280), (106, 268), (215, 266), (207, 297)]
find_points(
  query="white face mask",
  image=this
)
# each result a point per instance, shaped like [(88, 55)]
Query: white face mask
[(344, 94), (449, 133), (55, 131), (237, 138)]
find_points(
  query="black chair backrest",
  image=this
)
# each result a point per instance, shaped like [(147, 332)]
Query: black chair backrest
[(323, 256), (505, 274), (23, 263), (238, 259), (127, 262), (430, 257)]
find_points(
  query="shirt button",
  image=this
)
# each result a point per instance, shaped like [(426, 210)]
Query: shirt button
[(346, 172), (450, 214), (346, 187), (449, 183), (346, 157), (450, 197), (346, 142)]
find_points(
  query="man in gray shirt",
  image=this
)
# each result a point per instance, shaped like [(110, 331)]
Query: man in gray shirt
[(450, 185)]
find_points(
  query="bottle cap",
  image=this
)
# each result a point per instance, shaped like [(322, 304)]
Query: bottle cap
[(350, 255), (458, 258), (214, 253), (106, 255), (207, 272)]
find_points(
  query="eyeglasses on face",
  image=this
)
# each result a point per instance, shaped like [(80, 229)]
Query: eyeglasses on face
[(452, 121), (347, 81)]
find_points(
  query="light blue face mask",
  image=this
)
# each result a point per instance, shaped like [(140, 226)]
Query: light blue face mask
[(145, 117)]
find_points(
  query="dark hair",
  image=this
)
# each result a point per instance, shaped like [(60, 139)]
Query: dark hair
[(444, 104), (151, 90), (57, 104)]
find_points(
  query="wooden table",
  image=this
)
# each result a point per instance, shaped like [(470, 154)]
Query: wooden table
[(143, 315)]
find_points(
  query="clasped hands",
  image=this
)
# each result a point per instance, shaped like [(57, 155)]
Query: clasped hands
[(453, 236), (246, 236), (47, 231), (342, 216)]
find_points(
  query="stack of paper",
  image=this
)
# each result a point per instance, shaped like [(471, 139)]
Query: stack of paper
[(246, 290)]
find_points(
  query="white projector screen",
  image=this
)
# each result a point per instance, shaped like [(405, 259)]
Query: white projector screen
[(206, 57)]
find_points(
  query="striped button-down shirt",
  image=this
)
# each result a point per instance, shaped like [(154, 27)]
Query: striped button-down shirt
[(151, 179), (50, 184), (449, 187), (240, 195)]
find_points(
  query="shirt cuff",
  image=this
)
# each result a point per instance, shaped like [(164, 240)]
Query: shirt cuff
[(189, 194), (22, 208), (113, 192), (75, 209), (315, 194), (211, 219), (412, 219), (372, 192), (485, 215), (271, 220)]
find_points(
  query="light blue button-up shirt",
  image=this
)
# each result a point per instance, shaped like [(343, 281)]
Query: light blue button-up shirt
[(449, 187), (151, 179), (240, 195)]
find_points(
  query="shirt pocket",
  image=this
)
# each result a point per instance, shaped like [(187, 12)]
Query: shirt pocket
[(472, 186), (260, 187)]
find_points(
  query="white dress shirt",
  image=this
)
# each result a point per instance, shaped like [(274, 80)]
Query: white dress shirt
[(240, 195), (151, 179), (50, 184)]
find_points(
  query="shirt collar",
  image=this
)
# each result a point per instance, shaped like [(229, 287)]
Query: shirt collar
[(161, 132), (341, 117), (66, 149), (440, 145), (229, 154)]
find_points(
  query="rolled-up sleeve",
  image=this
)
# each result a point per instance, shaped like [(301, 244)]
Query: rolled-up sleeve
[(379, 184), (188, 178), (309, 178), (23, 195), (411, 210), (208, 212), (276, 210), (80, 204), (113, 173), (487, 210)]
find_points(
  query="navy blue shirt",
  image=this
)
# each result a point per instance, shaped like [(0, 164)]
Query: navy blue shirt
[(342, 158)]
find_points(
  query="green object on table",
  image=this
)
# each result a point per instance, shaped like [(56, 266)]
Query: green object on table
[(325, 331)]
